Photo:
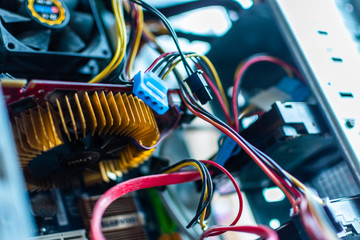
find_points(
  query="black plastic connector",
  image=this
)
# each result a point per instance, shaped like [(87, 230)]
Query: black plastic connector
[(199, 87)]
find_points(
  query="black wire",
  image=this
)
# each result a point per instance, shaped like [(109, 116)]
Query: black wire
[(163, 71), (276, 168), (204, 182), (208, 200), (263, 157), (132, 29), (168, 59), (207, 182), (153, 10), (113, 77), (206, 69)]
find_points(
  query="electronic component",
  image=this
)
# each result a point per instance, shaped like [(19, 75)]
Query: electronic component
[(83, 137), (55, 211), (327, 63), (281, 131), (199, 87), (121, 220), (341, 213), (72, 235), (345, 214), (49, 37), (287, 90), (77, 127), (152, 90)]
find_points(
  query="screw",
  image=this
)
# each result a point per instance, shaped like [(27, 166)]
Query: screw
[(350, 123)]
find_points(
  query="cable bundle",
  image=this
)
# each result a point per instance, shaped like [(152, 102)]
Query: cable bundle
[(169, 178), (302, 199)]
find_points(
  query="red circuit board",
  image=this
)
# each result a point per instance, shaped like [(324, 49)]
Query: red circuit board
[(16, 92)]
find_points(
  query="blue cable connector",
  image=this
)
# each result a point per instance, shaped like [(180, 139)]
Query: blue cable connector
[(152, 90)]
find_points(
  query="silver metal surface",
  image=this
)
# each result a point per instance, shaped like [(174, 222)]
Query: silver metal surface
[(15, 220), (328, 55), (73, 235)]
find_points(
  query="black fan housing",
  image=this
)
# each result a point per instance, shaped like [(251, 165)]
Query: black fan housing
[(51, 38)]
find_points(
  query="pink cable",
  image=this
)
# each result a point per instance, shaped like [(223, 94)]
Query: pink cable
[(243, 70), (262, 231), (132, 185), (241, 204)]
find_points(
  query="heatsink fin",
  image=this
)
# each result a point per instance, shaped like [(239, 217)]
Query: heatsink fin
[(71, 117)]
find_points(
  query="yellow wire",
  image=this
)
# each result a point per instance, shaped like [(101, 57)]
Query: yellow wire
[(137, 40), (217, 79), (117, 53), (121, 43), (176, 63), (303, 187), (152, 37), (202, 217), (324, 225), (246, 111), (122, 36), (213, 71), (295, 180)]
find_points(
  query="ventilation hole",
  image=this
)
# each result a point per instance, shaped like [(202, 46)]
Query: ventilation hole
[(346, 94), (105, 52), (335, 59), (11, 46), (322, 32), (288, 106)]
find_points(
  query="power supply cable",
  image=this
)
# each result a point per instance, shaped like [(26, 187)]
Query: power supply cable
[(164, 20)]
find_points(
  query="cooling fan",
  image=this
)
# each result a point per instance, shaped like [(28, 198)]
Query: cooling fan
[(51, 36), (67, 133)]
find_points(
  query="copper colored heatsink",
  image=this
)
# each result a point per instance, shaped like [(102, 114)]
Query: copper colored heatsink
[(70, 118)]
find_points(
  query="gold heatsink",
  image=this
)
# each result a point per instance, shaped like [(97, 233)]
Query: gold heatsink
[(78, 119)]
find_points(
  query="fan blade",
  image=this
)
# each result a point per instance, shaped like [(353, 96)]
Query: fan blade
[(10, 17), (82, 24), (39, 40), (71, 4), (69, 41)]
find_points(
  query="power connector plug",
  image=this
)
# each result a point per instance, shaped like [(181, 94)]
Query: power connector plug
[(152, 90), (199, 87)]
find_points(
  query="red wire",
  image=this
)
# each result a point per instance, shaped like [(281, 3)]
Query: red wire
[(240, 75), (132, 185), (158, 59), (252, 154), (217, 94), (241, 204), (136, 13), (262, 231), (309, 222)]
